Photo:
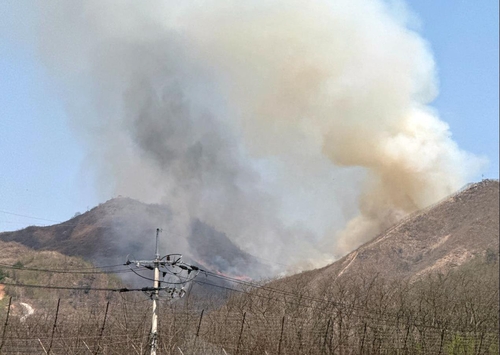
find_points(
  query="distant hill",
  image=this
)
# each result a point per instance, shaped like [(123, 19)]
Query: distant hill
[(446, 235), (22, 265), (109, 232)]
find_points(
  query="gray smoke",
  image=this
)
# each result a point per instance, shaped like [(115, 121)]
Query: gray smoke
[(298, 129)]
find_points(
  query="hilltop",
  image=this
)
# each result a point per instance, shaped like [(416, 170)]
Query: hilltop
[(121, 226)]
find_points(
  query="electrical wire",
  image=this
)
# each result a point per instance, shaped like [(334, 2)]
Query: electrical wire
[(65, 271), (123, 289), (247, 283), (226, 278), (261, 287), (387, 317), (275, 290), (150, 279), (251, 294), (32, 217)]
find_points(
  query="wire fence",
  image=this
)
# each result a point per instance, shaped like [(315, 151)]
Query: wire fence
[(61, 327), (453, 313)]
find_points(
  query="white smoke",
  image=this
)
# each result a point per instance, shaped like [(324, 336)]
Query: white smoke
[(300, 129)]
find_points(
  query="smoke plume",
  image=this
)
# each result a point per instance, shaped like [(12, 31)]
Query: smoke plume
[(300, 129)]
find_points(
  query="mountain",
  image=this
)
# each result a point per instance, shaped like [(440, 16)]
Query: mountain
[(439, 238), (122, 226)]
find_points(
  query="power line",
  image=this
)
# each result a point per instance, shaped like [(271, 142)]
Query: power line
[(388, 317), (32, 217), (153, 289), (165, 282), (123, 289), (59, 223), (223, 277), (67, 271), (93, 267), (263, 287)]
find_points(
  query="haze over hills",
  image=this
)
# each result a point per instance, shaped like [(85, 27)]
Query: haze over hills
[(122, 226), (444, 236), (435, 239)]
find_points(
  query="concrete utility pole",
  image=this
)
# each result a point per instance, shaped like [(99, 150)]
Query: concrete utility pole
[(172, 261), (152, 265), (156, 282)]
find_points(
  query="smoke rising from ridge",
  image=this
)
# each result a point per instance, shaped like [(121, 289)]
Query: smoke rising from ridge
[(298, 129)]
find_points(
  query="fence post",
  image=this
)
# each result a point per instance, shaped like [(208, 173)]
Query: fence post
[(6, 324), (363, 340), (281, 335), (241, 333), (198, 329), (408, 324), (54, 326), (441, 342), (326, 335), (102, 329), (330, 345)]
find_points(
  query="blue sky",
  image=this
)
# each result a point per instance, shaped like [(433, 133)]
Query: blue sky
[(42, 170)]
